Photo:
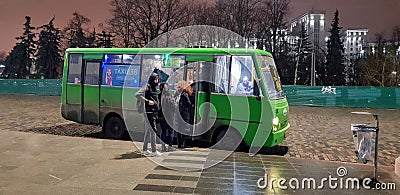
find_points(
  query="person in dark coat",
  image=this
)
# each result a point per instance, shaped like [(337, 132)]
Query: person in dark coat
[(185, 111), (166, 117), (148, 94)]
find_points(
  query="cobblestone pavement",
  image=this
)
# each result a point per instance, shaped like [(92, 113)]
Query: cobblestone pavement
[(324, 133), (317, 132)]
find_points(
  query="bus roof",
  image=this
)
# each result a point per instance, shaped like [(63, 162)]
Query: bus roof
[(170, 50)]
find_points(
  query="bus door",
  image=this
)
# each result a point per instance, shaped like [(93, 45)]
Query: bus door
[(199, 74), (90, 99), (74, 88), (236, 97)]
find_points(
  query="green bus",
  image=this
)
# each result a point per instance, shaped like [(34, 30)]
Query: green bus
[(99, 86)]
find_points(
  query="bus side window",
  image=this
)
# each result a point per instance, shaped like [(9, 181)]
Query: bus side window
[(221, 77), (149, 62), (74, 68), (241, 75), (92, 73)]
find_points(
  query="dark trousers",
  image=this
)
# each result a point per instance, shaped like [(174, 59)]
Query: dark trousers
[(150, 131), (167, 133), (181, 140)]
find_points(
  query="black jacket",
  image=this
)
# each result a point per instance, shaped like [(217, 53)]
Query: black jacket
[(149, 92), (167, 105), (185, 107)]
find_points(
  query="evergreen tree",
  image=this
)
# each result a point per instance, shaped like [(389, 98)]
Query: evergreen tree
[(304, 54), (20, 60), (48, 57), (15, 62), (320, 56), (105, 40), (79, 40), (3, 56), (284, 63), (334, 60), (75, 32), (91, 39)]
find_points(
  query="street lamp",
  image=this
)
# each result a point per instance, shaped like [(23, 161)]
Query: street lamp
[(312, 69), (395, 75), (2, 67), (254, 40), (312, 73), (394, 72)]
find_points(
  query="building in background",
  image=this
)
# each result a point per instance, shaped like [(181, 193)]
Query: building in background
[(371, 47), (314, 23), (354, 42)]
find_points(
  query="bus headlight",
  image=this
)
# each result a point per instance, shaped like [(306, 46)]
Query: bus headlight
[(275, 121)]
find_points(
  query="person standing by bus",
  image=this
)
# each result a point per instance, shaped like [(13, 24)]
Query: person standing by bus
[(148, 94), (166, 117), (185, 112)]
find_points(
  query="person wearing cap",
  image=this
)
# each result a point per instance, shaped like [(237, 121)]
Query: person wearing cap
[(185, 110)]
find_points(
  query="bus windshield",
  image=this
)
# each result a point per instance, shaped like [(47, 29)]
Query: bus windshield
[(271, 77)]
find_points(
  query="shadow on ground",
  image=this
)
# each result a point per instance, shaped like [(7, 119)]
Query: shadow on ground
[(130, 155)]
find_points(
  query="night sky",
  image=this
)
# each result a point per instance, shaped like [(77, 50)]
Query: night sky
[(379, 16)]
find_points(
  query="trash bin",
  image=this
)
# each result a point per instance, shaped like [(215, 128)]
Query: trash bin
[(362, 136)]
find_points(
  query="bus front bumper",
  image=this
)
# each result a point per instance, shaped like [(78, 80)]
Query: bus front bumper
[(277, 137)]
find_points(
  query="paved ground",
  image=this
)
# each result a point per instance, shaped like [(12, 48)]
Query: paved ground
[(324, 133), (317, 132), (33, 163)]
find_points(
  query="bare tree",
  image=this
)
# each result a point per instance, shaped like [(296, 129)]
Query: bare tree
[(277, 10), (202, 14), (396, 35), (140, 21), (396, 44), (240, 16), (376, 71), (121, 23), (377, 68)]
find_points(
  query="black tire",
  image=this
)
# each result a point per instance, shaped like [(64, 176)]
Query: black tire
[(232, 142), (115, 128)]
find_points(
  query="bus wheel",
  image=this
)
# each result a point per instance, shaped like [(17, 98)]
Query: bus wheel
[(115, 128), (232, 141)]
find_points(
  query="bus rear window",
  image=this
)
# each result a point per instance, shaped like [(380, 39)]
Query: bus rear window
[(74, 68)]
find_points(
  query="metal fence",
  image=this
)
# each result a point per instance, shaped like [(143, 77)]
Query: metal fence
[(343, 96), (31, 86)]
